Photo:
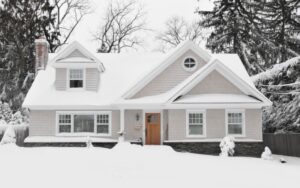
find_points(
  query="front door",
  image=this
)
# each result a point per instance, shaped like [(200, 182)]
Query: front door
[(153, 128)]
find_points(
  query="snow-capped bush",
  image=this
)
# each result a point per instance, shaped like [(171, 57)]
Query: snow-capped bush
[(227, 146), (9, 136), (5, 112), (89, 143), (17, 118), (267, 154)]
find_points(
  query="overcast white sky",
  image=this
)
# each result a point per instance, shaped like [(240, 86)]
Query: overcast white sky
[(158, 11)]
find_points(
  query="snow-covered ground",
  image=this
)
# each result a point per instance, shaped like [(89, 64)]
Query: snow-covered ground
[(136, 166)]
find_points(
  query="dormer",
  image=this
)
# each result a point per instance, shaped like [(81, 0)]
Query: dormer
[(76, 69)]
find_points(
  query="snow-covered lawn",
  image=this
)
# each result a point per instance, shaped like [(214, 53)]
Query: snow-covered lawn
[(136, 166)]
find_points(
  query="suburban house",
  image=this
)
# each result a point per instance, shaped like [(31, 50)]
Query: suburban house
[(188, 99)]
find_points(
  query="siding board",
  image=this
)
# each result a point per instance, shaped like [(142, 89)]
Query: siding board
[(215, 124), (215, 83), (92, 79), (61, 79), (170, 77)]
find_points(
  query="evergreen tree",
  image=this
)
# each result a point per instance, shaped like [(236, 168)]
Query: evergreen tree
[(281, 27), (261, 32), (22, 21)]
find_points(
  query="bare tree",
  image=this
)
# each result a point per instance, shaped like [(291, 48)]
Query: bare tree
[(122, 24), (68, 14), (177, 29)]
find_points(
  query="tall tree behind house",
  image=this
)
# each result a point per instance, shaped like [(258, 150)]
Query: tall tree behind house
[(22, 22), (261, 32)]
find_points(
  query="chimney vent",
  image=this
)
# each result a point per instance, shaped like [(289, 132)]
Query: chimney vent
[(41, 54)]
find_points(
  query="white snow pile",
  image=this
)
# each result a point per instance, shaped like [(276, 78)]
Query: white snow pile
[(138, 166), (9, 136), (267, 154), (227, 146), (268, 74)]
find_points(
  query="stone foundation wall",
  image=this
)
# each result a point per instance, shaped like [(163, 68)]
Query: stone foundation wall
[(253, 149)]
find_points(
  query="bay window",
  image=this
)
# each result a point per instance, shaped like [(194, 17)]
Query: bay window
[(84, 122)]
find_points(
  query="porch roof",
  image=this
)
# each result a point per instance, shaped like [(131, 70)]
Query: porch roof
[(216, 98)]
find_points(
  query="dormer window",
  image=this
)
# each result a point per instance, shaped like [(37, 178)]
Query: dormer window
[(76, 78)]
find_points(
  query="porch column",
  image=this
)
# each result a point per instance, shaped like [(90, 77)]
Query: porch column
[(122, 126)]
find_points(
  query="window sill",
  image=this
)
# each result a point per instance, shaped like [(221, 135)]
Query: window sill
[(196, 136), (83, 134), (237, 135)]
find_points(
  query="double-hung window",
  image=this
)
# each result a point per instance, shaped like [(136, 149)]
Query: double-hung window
[(84, 122), (235, 122), (102, 123), (195, 123), (64, 123), (76, 78)]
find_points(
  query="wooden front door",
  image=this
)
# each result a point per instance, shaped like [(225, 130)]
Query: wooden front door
[(152, 128)]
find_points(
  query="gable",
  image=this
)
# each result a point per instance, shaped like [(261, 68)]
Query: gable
[(215, 82), (173, 75), (76, 53)]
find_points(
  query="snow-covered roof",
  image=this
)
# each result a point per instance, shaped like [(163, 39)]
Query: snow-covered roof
[(122, 72), (216, 98)]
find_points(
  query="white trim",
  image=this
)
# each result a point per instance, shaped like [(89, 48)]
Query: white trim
[(72, 113), (179, 51), (70, 48), (198, 76), (242, 111), (68, 80), (76, 65), (200, 111), (189, 69)]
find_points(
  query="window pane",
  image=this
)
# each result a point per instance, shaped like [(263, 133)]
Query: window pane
[(102, 129), (235, 128), (76, 74), (196, 129), (76, 83), (235, 117), (64, 119), (189, 63), (153, 118), (83, 123), (103, 118), (65, 128)]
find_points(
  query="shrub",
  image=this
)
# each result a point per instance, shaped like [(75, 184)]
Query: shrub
[(9, 136), (227, 146), (267, 154)]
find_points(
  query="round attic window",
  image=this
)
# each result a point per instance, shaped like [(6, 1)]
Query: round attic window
[(189, 64)]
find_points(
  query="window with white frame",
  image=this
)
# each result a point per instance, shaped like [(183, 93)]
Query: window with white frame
[(189, 64), (76, 78), (84, 123), (64, 123), (102, 123), (235, 122), (195, 122), (76, 122)]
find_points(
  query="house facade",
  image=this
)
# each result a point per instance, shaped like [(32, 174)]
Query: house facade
[(188, 99)]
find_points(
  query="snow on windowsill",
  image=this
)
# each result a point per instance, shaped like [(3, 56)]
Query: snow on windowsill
[(68, 139)]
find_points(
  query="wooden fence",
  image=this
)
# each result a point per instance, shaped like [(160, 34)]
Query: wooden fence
[(283, 144)]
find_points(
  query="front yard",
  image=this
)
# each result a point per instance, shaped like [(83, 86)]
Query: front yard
[(135, 166)]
